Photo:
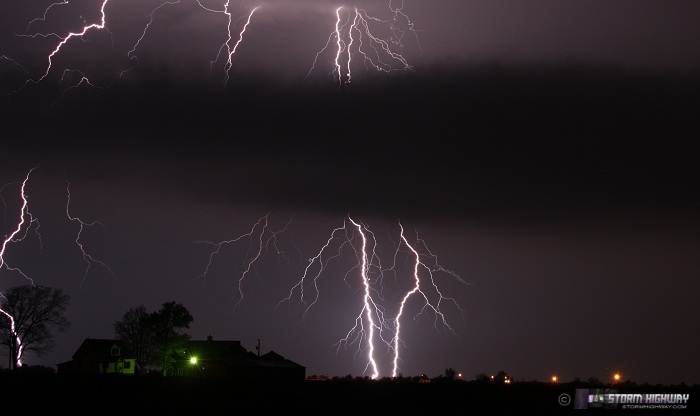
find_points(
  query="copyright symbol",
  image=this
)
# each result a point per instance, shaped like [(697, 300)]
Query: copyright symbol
[(564, 399)]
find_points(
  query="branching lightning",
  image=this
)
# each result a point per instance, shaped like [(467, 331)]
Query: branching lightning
[(14, 62), (377, 43), (226, 46), (261, 238), (43, 17), (89, 259), (151, 16), (81, 80), (65, 39), (232, 51), (373, 328), (24, 225), (27, 222), (354, 34)]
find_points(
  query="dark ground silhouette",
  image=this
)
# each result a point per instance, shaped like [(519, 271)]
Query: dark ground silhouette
[(203, 396)]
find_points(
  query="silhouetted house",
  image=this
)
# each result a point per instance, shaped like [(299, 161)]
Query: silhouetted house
[(229, 359), (273, 366), (100, 356)]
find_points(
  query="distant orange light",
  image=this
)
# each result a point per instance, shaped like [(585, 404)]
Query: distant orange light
[(554, 379), (617, 377)]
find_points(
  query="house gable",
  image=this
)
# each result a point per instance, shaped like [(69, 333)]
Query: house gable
[(100, 356)]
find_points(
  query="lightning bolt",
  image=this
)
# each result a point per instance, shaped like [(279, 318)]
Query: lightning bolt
[(80, 34), (13, 61), (335, 34), (378, 42), (377, 46), (373, 328), (63, 40), (368, 301), (232, 51), (26, 219), (225, 47), (416, 290), (43, 18), (26, 222), (16, 64), (13, 330), (261, 238), (131, 54), (356, 36), (89, 259), (339, 42)]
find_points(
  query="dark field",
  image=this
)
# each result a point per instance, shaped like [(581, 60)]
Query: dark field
[(199, 396)]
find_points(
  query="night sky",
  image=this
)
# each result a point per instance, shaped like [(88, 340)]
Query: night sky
[(546, 153)]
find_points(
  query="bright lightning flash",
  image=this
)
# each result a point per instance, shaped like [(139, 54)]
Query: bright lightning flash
[(230, 50), (373, 328), (65, 39), (378, 43), (26, 220), (25, 223), (355, 35), (225, 47)]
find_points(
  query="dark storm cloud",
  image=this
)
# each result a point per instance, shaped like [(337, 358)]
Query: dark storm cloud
[(481, 139)]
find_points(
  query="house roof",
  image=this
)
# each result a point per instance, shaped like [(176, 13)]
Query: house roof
[(233, 353), (274, 359), (101, 348), (230, 352)]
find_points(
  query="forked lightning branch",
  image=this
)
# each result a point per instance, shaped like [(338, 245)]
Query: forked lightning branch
[(357, 39)]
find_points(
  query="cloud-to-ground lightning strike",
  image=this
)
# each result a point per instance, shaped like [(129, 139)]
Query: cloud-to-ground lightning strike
[(373, 328), (26, 220), (24, 225), (439, 315), (266, 238)]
